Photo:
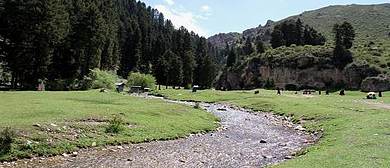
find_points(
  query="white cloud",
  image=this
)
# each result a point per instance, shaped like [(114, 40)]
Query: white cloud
[(169, 2), (203, 17), (182, 18), (206, 8)]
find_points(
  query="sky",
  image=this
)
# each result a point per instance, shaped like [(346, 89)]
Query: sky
[(210, 17)]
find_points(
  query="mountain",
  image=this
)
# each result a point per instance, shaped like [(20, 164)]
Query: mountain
[(315, 67), (371, 23)]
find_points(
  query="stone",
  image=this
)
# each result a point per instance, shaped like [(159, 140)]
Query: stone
[(268, 156), (221, 109), (282, 144), (182, 160), (119, 147), (74, 154), (93, 144), (263, 141), (54, 125), (65, 155), (376, 84), (288, 157), (37, 125), (300, 128)]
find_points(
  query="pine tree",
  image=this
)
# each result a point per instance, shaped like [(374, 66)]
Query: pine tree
[(260, 46), (340, 55), (277, 38), (231, 59), (298, 32), (248, 49), (175, 71), (162, 71), (348, 34)]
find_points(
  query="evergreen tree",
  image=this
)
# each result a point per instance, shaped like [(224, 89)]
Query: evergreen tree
[(248, 49), (231, 59), (200, 55), (298, 32), (348, 34), (175, 71), (260, 46), (277, 38), (162, 71), (340, 55)]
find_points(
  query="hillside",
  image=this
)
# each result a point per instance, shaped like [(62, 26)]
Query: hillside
[(371, 23)]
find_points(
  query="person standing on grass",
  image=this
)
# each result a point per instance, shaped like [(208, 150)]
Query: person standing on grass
[(342, 93), (278, 91)]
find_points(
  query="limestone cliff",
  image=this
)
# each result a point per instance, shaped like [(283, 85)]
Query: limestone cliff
[(310, 70)]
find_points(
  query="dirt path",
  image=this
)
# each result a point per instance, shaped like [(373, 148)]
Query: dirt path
[(245, 139)]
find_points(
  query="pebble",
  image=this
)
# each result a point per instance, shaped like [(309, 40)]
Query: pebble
[(37, 125), (267, 157), (93, 144), (263, 141), (74, 154), (54, 125), (300, 128), (282, 144), (182, 160), (119, 147), (288, 157), (65, 155)]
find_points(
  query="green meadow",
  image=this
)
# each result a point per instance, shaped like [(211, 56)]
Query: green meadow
[(51, 123), (356, 131)]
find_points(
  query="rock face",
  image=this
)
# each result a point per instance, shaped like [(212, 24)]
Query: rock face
[(314, 70), (376, 84)]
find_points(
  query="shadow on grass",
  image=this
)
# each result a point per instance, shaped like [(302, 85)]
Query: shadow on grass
[(90, 101)]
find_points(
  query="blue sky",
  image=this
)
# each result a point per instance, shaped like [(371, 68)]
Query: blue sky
[(209, 17)]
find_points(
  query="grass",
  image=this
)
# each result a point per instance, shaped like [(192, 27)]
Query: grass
[(355, 134), (72, 120)]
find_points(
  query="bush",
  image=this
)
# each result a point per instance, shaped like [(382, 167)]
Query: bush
[(115, 125), (7, 137), (143, 80), (98, 79)]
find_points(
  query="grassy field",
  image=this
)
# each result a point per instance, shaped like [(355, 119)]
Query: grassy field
[(71, 120), (356, 132)]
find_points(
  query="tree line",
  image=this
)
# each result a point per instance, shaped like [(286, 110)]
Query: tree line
[(62, 40), (293, 32)]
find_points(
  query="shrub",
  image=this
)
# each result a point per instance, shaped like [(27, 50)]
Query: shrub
[(7, 137), (115, 125), (143, 80), (97, 79)]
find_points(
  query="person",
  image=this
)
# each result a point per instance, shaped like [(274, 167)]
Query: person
[(327, 92), (278, 91), (380, 93), (342, 93), (319, 92)]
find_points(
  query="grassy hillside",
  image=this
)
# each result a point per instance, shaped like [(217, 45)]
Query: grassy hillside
[(371, 22), (355, 131)]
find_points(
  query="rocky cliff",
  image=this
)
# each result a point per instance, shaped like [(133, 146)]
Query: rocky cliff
[(310, 70)]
